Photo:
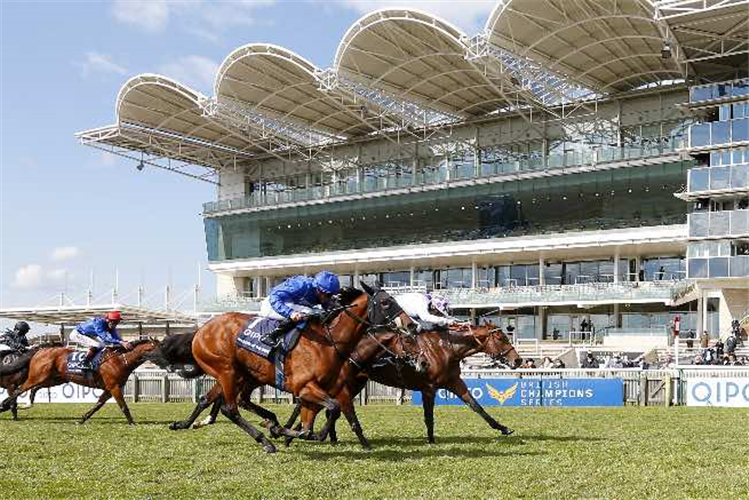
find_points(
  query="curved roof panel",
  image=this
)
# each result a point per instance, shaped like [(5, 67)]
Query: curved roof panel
[(158, 102), (273, 81), (608, 45), (416, 56)]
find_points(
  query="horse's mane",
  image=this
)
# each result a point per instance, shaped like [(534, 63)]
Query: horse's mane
[(138, 342), (349, 294)]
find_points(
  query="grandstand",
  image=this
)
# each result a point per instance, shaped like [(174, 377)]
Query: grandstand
[(564, 165)]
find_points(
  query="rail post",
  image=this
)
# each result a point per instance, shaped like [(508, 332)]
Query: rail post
[(668, 389), (643, 389), (164, 388)]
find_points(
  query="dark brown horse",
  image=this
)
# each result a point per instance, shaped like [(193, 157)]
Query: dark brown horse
[(371, 346), (442, 351), (48, 367), (309, 368), (14, 380)]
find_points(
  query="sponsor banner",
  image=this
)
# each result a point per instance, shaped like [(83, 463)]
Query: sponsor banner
[(537, 392), (718, 391), (66, 393)]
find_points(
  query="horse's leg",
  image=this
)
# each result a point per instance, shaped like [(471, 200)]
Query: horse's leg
[(332, 433), (313, 393), (349, 412), (211, 418), (459, 388), (116, 392), (427, 400), (32, 397), (204, 402), (90, 413), (294, 415), (230, 411), (14, 410)]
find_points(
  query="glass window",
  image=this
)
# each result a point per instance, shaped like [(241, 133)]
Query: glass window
[(740, 266), (697, 268), (739, 222), (725, 157), (698, 179), (723, 90), (719, 223), (740, 130), (721, 132), (737, 155), (424, 278), (739, 110), (699, 135), (724, 112), (503, 276), (486, 277), (740, 176), (698, 94), (715, 158), (741, 88), (397, 278), (698, 224), (718, 267), (719, 177)]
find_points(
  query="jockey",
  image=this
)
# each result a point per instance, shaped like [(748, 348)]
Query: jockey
[(99, 333), (15, 339), (427, 308), (295, 299)]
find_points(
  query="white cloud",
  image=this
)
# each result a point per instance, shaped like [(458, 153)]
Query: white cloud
[(199, 17), (96, 62), (35, 276), (469, 15), (64, 253), (195, 71), (30, 276)]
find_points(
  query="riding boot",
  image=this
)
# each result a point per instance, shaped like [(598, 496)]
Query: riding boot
[(274, 337), (88, 360)]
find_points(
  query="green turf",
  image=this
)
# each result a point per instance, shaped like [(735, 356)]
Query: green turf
[(555, 453)]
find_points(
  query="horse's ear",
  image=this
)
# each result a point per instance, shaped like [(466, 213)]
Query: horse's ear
[(486, 322), (368, 289)]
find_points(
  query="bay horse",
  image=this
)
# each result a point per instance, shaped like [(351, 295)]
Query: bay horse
[(48, 368), (13, 380), (443, 351), (322, 349), (371, 346)]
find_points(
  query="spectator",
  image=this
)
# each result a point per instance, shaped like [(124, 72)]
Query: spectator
[(718, 348), (731, 344), (643, 364), (558, 363), (690, 339), (617, 362), (584, 325), (529, 363), (590, 361), (555, 334), (548, 363), (704, 339)]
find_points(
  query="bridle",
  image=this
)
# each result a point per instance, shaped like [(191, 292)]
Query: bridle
[(480, 345)]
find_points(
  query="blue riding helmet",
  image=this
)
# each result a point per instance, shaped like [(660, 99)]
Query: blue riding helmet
[(327, 282)]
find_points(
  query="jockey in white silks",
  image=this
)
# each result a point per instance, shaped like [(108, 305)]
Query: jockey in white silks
[(426, 308)]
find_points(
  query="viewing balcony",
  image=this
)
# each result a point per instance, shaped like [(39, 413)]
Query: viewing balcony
[(706, 181), (517, 296), (736, 266), (719, 134), (718, 93), (723, 224), (456, 175)]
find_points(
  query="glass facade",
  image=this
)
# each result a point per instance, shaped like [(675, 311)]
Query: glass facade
[(630, 197)]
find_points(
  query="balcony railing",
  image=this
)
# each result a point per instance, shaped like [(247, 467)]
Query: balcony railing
[(602, 155), (653, 291), (718, 91), (706, 179), (723, 133), (719, 267), (727, 223)]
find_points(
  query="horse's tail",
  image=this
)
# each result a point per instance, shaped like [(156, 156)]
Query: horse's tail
[(175, 354), (19, 364)]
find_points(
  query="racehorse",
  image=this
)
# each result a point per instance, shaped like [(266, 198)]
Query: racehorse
[(317, 359), (49, 367), (443, 350), (14, 380), (371, 346)]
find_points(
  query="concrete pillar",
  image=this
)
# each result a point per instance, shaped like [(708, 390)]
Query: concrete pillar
[(638, 263), (541, 264), (256, 284), (356, 277), (617, 319), (474, 275), (267, 285), (412, 276), (617, 257), (540, 322)]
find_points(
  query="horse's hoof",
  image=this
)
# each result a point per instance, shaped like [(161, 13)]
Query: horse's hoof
[(80, 422), (175, 426), (269, 448), (507, 432)]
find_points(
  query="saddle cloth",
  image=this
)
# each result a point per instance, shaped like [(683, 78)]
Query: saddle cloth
[(75, 362), (250, 338)]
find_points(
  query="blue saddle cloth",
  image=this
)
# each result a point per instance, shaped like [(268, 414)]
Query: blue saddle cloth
[(75, 362), (250, 338)]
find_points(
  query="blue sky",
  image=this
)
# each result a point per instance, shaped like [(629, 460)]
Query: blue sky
[(66, 209)]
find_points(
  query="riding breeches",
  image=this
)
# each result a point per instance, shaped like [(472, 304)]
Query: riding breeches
[(267, 311), (84, 340)]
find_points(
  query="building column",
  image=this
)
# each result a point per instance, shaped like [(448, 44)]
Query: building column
[(700, 312), (356, 277), (617, 320), (638, 263), (267, 285), (617, 257), (474, 274), (412, 276), (541, 264), (256, 284), (540, 322)]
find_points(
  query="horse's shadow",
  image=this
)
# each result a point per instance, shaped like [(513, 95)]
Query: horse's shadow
[(397, 455)]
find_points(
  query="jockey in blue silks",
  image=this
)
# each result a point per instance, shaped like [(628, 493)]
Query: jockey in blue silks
[(295, 299), (97, 333)]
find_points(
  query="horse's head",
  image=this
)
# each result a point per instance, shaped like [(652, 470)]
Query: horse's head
[(493, 341), (384, 311), (143, 346)]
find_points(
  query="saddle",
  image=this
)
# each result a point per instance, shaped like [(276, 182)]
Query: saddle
[(251, 339), (76, 361)]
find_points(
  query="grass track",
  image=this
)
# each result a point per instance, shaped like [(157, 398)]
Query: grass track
[(625, 453)]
